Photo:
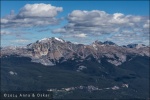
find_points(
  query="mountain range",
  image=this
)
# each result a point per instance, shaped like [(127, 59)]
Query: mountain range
[(99, 70), (50, 51)]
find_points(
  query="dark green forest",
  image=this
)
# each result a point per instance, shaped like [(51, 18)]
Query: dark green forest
[(30, 76)]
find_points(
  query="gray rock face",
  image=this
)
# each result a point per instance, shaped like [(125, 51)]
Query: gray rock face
[(49, 51)]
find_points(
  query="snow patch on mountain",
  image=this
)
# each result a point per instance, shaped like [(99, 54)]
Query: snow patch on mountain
[(45, 62), (44, 39), (58, 39), (95, 47)]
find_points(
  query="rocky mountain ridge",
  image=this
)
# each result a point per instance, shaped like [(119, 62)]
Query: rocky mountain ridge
[(50, 51)]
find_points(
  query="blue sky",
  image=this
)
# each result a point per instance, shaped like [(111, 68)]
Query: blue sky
[(81, 22)]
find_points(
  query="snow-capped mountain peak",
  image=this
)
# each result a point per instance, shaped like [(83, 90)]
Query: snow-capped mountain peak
[(52, 39)]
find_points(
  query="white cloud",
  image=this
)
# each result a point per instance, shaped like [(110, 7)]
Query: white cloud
[(82, 35), (146, 25), (32, 15), (20, 41), (39, 10), (99, 22), (3, 32), (61, 30), (4, 21), (118, 15)]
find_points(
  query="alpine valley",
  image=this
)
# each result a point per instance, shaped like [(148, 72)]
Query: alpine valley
[(101, 70)]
